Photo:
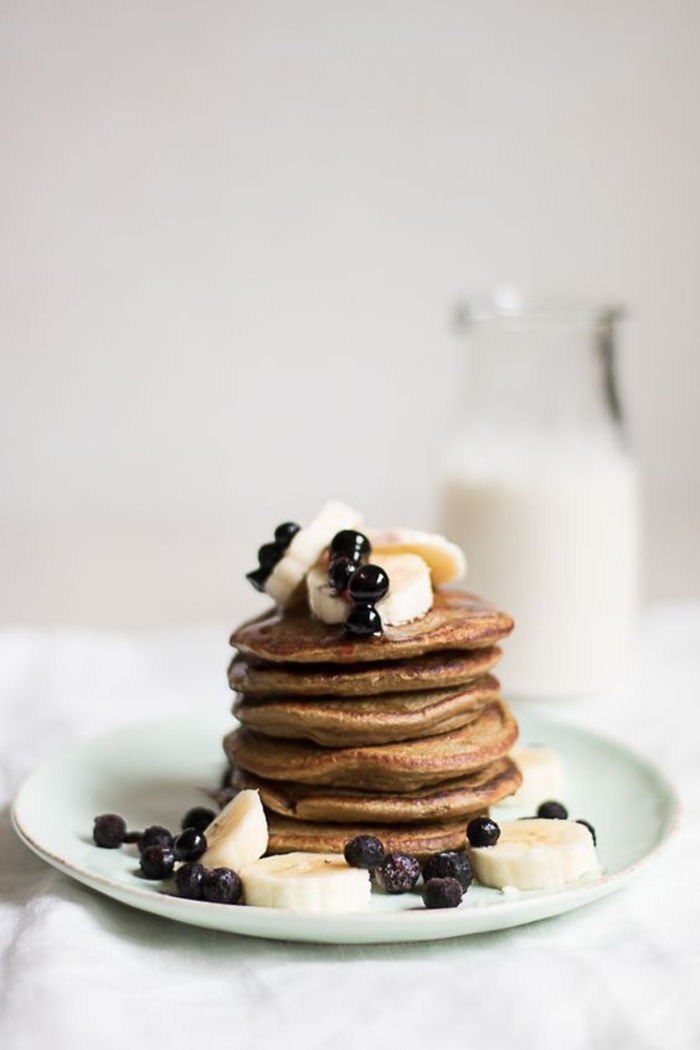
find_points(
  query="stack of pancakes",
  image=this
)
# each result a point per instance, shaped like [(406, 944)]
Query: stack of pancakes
[(403, 735)]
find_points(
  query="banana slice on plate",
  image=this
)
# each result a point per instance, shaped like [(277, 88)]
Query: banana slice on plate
[(306, 882), (445, 559), (238, 835), (306, 548), (543, 776), (535, 855), (410, 592)]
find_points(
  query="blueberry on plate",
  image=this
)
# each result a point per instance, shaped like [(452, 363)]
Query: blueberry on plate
[(109, 830), (552, 811), (364, 851), (363, 621), (369, 583), (199, 817), (449, 864), (221, 886), (157, 862), (189, 881), (397, 873), (190, 845), (442, 893), (350, 544), (155, 835), (590, 827), (482, 831)]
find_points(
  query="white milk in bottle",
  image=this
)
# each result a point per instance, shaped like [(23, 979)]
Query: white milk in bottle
[(542, 493)]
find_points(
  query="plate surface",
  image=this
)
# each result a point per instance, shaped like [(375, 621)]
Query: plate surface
[(151, 774)]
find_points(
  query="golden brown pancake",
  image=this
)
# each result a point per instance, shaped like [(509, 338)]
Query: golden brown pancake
[(430, 671), (456, 621), (343, 721), (405, 766), (460, 798), (420, 840)]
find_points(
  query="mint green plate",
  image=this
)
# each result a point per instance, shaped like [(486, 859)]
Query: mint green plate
[(153, 773)]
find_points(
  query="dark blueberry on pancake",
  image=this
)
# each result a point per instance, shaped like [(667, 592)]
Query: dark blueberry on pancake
[(221, 886), (442, 893), (350, 544), (132, 838), (450, 864), (258, 578), (590, 828), (108, 831), (363, 621), (155, 835), (285, 533), (552, 811), (268, 556), (199, 817), (340, 571), (364, 851), (398, 873), (368, 584), (189, 879), (157, 862), (482, 831), (190, 845)]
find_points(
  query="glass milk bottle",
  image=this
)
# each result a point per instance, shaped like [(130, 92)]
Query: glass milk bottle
[(541, 491)]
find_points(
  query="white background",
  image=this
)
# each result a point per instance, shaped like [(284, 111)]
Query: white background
[(232, 234)]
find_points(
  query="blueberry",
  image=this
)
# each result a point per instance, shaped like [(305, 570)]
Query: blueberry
[(190, 845), (268, 556), (363, 620), (339, 572), (397, 873), (364, 851), (132, 837), (442, 893), (155, 836), (553, 811), (285, 533), (189, 881), (590, 828), (350, 544), (258, 577), (482, 831), (157, 862), (369, 583), (108, 831), (450, 864), (199, 817), (221, 886)]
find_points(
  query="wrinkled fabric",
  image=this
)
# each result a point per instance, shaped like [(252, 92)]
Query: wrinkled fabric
[(80, 970)]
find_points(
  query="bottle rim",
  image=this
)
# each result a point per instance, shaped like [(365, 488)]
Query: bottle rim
[(511, 303)]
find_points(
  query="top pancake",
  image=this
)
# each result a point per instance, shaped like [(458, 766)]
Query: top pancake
[(456, 621), (430, 671)]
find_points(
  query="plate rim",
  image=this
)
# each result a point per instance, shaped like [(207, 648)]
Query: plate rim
[(146, 900)]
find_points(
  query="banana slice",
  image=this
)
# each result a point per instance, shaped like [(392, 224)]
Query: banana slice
[(410, 591), (306, 548), (238, 835), (543, 776), (306, 882), (445, 559), (535, 855)]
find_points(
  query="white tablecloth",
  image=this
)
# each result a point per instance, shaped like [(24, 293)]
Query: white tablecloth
[(79, 970)]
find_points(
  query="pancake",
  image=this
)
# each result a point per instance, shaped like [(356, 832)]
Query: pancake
[(431, 671), (405, 766), (461, 798), (287, 836), (343, 722), (456, 621)]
